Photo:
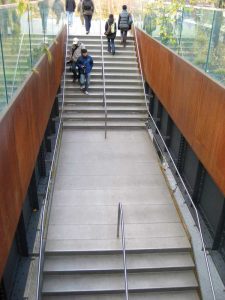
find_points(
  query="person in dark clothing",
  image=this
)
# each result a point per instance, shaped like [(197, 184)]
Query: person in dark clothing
[(70, 8), (110, 32), (88, 10), (58, 10), (124, 24), (44, 10), (85, 64)]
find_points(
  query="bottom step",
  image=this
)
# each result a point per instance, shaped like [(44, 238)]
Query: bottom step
[(101, 125), (186, 295)]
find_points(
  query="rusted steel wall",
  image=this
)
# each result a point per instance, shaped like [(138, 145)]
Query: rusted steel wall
[(194, 101), (22, 128)]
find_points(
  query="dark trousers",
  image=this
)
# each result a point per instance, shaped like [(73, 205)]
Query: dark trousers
[(75, 71), (111, 45), (87, 20), (123, 36)]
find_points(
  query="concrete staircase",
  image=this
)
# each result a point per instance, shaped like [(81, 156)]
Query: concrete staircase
[(83, 257), (124, 90), (152, 274)]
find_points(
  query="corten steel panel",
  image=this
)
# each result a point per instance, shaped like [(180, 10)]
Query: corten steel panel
[(194, 101), (21, 131)]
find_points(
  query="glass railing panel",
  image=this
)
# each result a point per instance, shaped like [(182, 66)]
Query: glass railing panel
[(215, 66), (46, 20), (163, 22), (26, 34), (3, 90), (196, 34), (12, 47)]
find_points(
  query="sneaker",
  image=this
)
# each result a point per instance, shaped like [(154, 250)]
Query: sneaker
[(86, 92), (113, 53), (87, 32)]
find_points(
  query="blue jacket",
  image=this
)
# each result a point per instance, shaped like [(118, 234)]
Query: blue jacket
[(85, 61)]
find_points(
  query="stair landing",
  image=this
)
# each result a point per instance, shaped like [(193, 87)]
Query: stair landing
[(83, 255)]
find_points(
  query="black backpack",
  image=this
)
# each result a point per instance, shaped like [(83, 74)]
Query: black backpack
[(87, 5)]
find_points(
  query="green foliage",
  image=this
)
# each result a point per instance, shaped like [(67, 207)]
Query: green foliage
[(22, 7), (164, 18), (220, 71), (38, 51)]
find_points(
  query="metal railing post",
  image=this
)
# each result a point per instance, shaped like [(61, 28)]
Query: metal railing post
[(120, 224), (3, 67), (103, 80)]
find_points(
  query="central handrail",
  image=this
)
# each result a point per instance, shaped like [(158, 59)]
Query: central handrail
[(43, 218), (120, 224), (177, 172), (17, 63), (103, 80)]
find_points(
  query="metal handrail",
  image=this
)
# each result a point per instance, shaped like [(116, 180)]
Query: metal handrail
[(120, 224), (17, 63), (103, 80), (49, 189), (177, 171)]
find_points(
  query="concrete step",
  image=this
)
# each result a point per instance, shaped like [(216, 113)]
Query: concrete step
[(90, 37), (99, 102), (101, 124), (109, 57), (122, 63), (109, 95), (125, 69), (90, 47), (95, 263), (114, 283), (101, 116), (119, 52), (112, 81), (109, 88), (149, 245), (97, 74), (96, 38), (170, 295), (110, 109)]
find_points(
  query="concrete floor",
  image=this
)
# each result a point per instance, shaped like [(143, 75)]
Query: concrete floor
[(93, 176)]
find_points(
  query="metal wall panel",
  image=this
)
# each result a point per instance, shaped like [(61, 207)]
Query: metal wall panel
[(190, 168), (211, 203), (22, 129), (194, 101)]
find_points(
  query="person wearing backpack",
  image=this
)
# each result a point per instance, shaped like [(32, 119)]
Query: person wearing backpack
[(88, 10), (70, 8), (110, 32), (124, 24)]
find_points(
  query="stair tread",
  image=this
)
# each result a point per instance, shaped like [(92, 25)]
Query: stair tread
[(101, 108), (101, 282), (100, 123), (100, 101), (102, 115), (115, 261), (154, 244), (170, 295), (75, 87)]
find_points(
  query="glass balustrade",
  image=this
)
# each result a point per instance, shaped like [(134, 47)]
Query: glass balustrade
[(26, 32), (195, 33)]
